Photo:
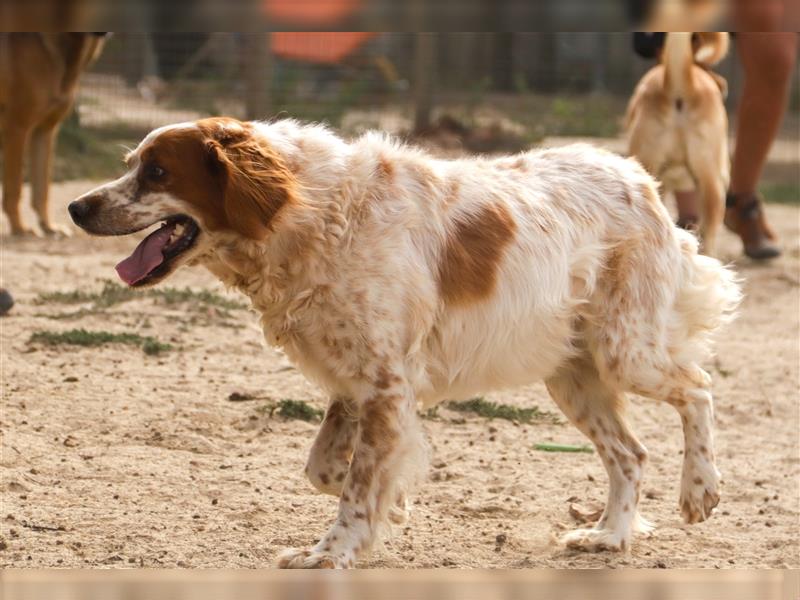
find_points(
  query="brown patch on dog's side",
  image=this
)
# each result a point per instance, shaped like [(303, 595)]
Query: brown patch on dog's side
[(472, 254)]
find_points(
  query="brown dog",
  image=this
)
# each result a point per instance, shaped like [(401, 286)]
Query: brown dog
[(38, 79), (678, 128)]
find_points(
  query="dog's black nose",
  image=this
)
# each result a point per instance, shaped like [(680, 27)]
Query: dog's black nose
[(78, 210)]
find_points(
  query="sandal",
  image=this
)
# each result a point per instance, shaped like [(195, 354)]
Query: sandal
[(745, 217)]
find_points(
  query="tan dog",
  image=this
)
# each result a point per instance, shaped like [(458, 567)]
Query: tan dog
[(38, 80), (678, 128)]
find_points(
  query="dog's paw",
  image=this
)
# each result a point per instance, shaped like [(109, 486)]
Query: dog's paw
[(295, 558), (399, 513), (596, 540), (24, 231), (699, 495), (56, 230), (697, 503)]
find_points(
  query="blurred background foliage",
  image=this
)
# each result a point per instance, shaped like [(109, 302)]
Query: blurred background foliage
[(473, 92)]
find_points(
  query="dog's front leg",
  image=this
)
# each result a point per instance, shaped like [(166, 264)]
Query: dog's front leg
[(388, 453), (329, 459)]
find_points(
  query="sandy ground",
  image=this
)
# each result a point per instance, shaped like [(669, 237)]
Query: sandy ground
[(111, 457)]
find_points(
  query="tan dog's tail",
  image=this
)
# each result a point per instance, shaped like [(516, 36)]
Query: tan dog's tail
[(711, 47), (678, 58)]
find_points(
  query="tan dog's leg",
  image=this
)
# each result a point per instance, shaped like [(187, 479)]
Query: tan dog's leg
[(596, 410), (329, 459), (388, 453), (41, 152), (15, 139), (712, 191)]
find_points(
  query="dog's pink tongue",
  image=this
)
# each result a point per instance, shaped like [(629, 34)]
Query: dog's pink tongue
[(146, 257)]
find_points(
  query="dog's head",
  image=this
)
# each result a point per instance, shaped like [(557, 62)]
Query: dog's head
[(199, 181)]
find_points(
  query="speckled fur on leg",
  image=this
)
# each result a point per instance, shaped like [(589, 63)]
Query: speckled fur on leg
[(661, 361), (596, 410), (329, 459), (386, 458)]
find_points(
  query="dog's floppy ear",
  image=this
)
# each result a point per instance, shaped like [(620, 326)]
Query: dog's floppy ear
[(256, 183)]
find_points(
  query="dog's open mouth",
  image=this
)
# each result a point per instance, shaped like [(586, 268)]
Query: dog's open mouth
[(155, 253)]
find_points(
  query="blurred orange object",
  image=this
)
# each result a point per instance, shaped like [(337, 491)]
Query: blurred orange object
[(310, 12), (318, 47)]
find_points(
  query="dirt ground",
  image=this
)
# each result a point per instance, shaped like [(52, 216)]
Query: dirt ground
[(115, 458)]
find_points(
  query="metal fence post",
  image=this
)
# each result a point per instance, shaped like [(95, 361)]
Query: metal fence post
[(424, 73), (257, 75)]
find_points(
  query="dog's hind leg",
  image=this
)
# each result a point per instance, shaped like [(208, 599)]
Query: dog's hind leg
[(596, 409), (15, 138), (653, 347), (700, 477), (709, 162), (687, 388), (712, 191)]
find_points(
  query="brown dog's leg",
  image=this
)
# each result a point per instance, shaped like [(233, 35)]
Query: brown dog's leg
[(41, 152), (14, 140)]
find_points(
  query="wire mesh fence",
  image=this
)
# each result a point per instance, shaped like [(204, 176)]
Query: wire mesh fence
[(510, 90), (151, 79)]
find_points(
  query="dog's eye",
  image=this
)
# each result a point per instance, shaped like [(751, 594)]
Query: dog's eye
[(155, 172)]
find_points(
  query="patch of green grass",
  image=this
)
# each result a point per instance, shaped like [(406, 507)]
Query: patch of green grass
[(113, 293), (591, 116), (432, 413), (152, 346), (563, 448), (293, 409), (494, 410), (177, 295), (82, 337), (781, 193), (68, 316)]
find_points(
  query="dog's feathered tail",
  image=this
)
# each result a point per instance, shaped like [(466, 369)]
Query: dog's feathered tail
[(707, 299), (713, 47)]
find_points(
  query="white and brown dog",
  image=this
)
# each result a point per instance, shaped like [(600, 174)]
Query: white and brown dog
[(396, 279), (678, 128)]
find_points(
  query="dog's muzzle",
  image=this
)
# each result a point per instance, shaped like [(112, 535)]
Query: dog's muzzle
[(82, 210)]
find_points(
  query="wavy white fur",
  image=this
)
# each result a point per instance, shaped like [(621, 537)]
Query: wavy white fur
[(396, 280)]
